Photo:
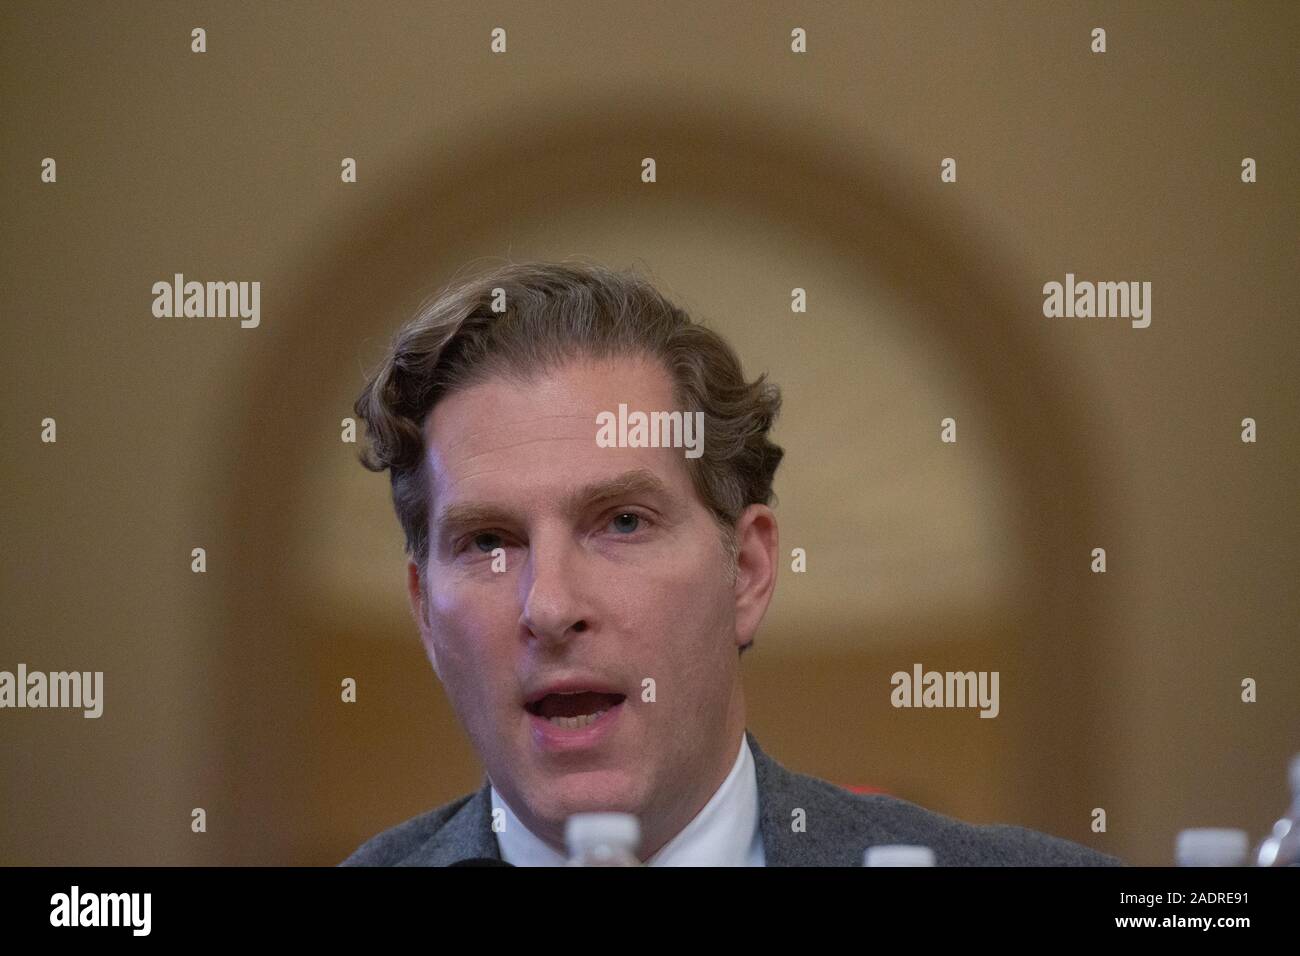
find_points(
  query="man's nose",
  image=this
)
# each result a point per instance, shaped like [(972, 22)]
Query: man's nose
[(554, 609)]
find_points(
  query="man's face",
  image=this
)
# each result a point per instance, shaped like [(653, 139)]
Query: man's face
[(614, 576)]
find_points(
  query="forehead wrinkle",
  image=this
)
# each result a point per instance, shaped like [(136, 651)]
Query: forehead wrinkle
[(470, 436), (526, 441), (438, 473)]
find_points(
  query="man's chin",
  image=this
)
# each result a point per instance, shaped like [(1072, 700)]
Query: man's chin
[(558, 796)]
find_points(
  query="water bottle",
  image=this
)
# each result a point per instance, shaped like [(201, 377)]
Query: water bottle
[(899, 854), (1212, 847), (602, 839), (1282, 846)]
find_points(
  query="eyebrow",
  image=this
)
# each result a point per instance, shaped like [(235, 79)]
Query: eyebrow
[(639, 482)]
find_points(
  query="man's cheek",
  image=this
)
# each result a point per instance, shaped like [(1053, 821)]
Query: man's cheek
[(667, 588), (471, 647), (448, 645)]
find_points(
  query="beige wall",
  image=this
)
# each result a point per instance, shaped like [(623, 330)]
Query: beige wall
[(775, 171)]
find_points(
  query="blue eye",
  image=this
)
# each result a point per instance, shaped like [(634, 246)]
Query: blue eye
[(494, 539), (636, 520)]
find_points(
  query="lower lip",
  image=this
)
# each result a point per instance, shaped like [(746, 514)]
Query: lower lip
[(552, 738)]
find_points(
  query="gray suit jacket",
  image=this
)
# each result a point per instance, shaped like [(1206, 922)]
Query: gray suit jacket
[(840, 825)]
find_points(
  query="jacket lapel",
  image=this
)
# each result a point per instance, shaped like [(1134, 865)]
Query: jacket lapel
[(830, 835), (774, 806), (467, 835)]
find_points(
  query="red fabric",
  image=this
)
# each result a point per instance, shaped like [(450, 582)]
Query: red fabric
[(854, 789)]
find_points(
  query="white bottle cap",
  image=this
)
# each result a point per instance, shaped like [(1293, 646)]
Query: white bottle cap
[(898, 855), (1212, 847), (585, 831)]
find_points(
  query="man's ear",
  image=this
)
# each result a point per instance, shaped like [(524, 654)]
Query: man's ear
[(756, 543), (419, 598)]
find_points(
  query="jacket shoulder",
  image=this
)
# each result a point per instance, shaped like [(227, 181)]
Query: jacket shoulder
[(397, 842), (858, 821)]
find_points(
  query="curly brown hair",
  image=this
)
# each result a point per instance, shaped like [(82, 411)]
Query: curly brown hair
[(547, 313)]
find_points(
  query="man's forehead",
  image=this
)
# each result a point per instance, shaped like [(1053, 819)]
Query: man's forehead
[(499, 447), (543, 458), (458, 435), (548, 412)]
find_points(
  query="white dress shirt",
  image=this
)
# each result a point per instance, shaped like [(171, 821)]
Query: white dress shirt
[(724, 833)]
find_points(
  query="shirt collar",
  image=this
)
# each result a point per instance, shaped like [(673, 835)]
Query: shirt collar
[(724, 833)]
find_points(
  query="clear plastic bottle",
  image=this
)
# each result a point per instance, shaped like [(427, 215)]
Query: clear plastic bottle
[(1208, 846), (898, 854), (602, 839), (1282, 846)]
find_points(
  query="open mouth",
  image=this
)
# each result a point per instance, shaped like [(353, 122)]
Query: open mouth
[(574, 711)]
